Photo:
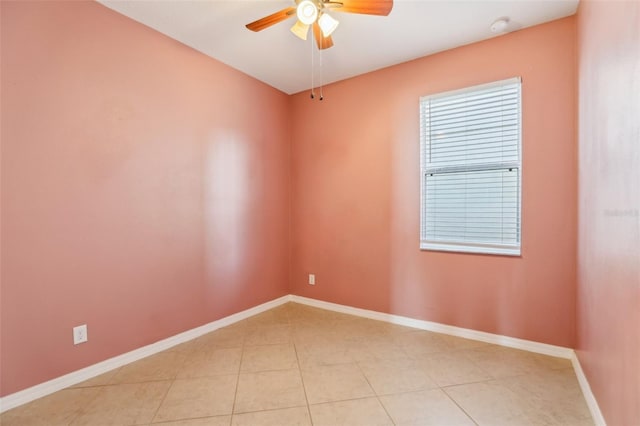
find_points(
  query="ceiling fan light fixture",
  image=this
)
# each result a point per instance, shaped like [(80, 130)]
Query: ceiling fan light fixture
[(327, 24), (307, 12), (300, 30)]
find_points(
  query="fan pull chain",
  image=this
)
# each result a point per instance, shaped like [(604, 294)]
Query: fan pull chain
[(321, 80), (313, 95)]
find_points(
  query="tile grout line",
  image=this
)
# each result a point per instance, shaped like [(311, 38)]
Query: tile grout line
[(374, 392), (164, 397), (459, 406), (304, 388), (235, 394), (385, 409), (80, 410)]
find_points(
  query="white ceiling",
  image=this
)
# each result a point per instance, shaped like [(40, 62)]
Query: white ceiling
[(362, 43)]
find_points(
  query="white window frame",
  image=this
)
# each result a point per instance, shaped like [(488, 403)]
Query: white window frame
[(426, 169)]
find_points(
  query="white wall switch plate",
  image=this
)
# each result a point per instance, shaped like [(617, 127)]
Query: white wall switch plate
[(312, 279), (80, 334)]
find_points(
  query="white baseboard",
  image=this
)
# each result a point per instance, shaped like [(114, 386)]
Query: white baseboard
[(43, 389), (511, 342), (27, 395), (589, 397)]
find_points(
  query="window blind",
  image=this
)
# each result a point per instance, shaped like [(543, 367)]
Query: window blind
[(471, 168)]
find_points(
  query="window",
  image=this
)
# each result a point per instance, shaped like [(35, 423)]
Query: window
[(471, 169)]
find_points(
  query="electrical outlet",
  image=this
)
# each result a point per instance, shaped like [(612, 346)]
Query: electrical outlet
[(312, 279), (80, 334)]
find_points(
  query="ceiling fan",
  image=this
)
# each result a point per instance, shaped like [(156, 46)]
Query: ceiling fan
[(314, 13)]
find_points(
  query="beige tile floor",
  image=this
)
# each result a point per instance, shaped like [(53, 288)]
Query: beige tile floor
[(297, 365)]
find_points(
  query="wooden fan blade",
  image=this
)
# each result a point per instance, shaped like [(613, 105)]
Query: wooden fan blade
[(272, 19), (366, 7), (322, 41)]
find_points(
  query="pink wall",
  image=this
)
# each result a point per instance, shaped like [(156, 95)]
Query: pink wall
[(609, 205), (144, 188), (355, 190)]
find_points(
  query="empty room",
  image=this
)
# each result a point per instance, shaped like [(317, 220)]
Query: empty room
[(320, 212)]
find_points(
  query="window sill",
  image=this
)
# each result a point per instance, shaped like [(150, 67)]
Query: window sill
[(459, 248)]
